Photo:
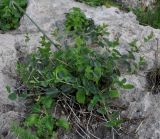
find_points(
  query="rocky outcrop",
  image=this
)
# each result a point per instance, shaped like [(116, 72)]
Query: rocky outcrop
[(141, 103), (137, 3), (7, 72)]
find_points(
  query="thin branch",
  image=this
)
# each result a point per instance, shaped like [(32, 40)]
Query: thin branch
[(73, 112), (112, 134), (82, 130), (23, 11), (80, 134), (139, 126)]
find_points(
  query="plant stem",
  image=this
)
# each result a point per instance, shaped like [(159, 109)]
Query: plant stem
[(23, 11)]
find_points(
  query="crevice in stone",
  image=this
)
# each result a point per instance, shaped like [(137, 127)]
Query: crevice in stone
[(153, 80)]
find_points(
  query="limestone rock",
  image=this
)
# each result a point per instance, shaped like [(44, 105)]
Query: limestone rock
[(124, 25), (137, 3)]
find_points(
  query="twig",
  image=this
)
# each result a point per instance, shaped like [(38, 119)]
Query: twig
[(73, 112), (89, 120), (139, 126), (116, 131), (93, 135), (80, 134), (17, 5), (82, 130), (88, 126), (55, 108), (156, 54), (112, 134)]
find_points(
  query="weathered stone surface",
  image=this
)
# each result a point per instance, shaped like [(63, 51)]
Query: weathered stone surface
[(7, 75), (49, 12), (137, 3)]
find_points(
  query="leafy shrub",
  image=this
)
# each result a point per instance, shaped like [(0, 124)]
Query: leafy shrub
[(79, 76), (76, 22), (9, 14), (84, 30)]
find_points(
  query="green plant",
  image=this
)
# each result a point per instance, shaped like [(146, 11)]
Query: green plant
[(42, 120), (107, 3), (146, 16), (9, 14), (88, 77), (83, 30), (149, 16), (93, 2), (78, 78), (22, 133), (39, 122), (76, 22)]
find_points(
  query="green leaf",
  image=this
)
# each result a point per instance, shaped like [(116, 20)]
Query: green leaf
[(36, 108), (52, 91), (23, 95), (123, 80), (89, 73), (97, 74), (22, 133), (8, 88), (101, 110), (49, 122), (44, 83), (66, 88), (12, 96), (114, 94), (149, 37), (90, 87), (47, 101), (32, 119), (63, 123), (128, 86), (62, 73), (80, 96), (93, 102), (114, 123)]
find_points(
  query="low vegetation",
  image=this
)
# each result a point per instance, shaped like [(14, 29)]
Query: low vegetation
[(107, 3), (146, 16), (149, 16), (9, 14), (93, 2), (65, 88)]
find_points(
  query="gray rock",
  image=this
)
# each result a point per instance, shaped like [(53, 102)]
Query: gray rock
[(137, 3), (49, 12)]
